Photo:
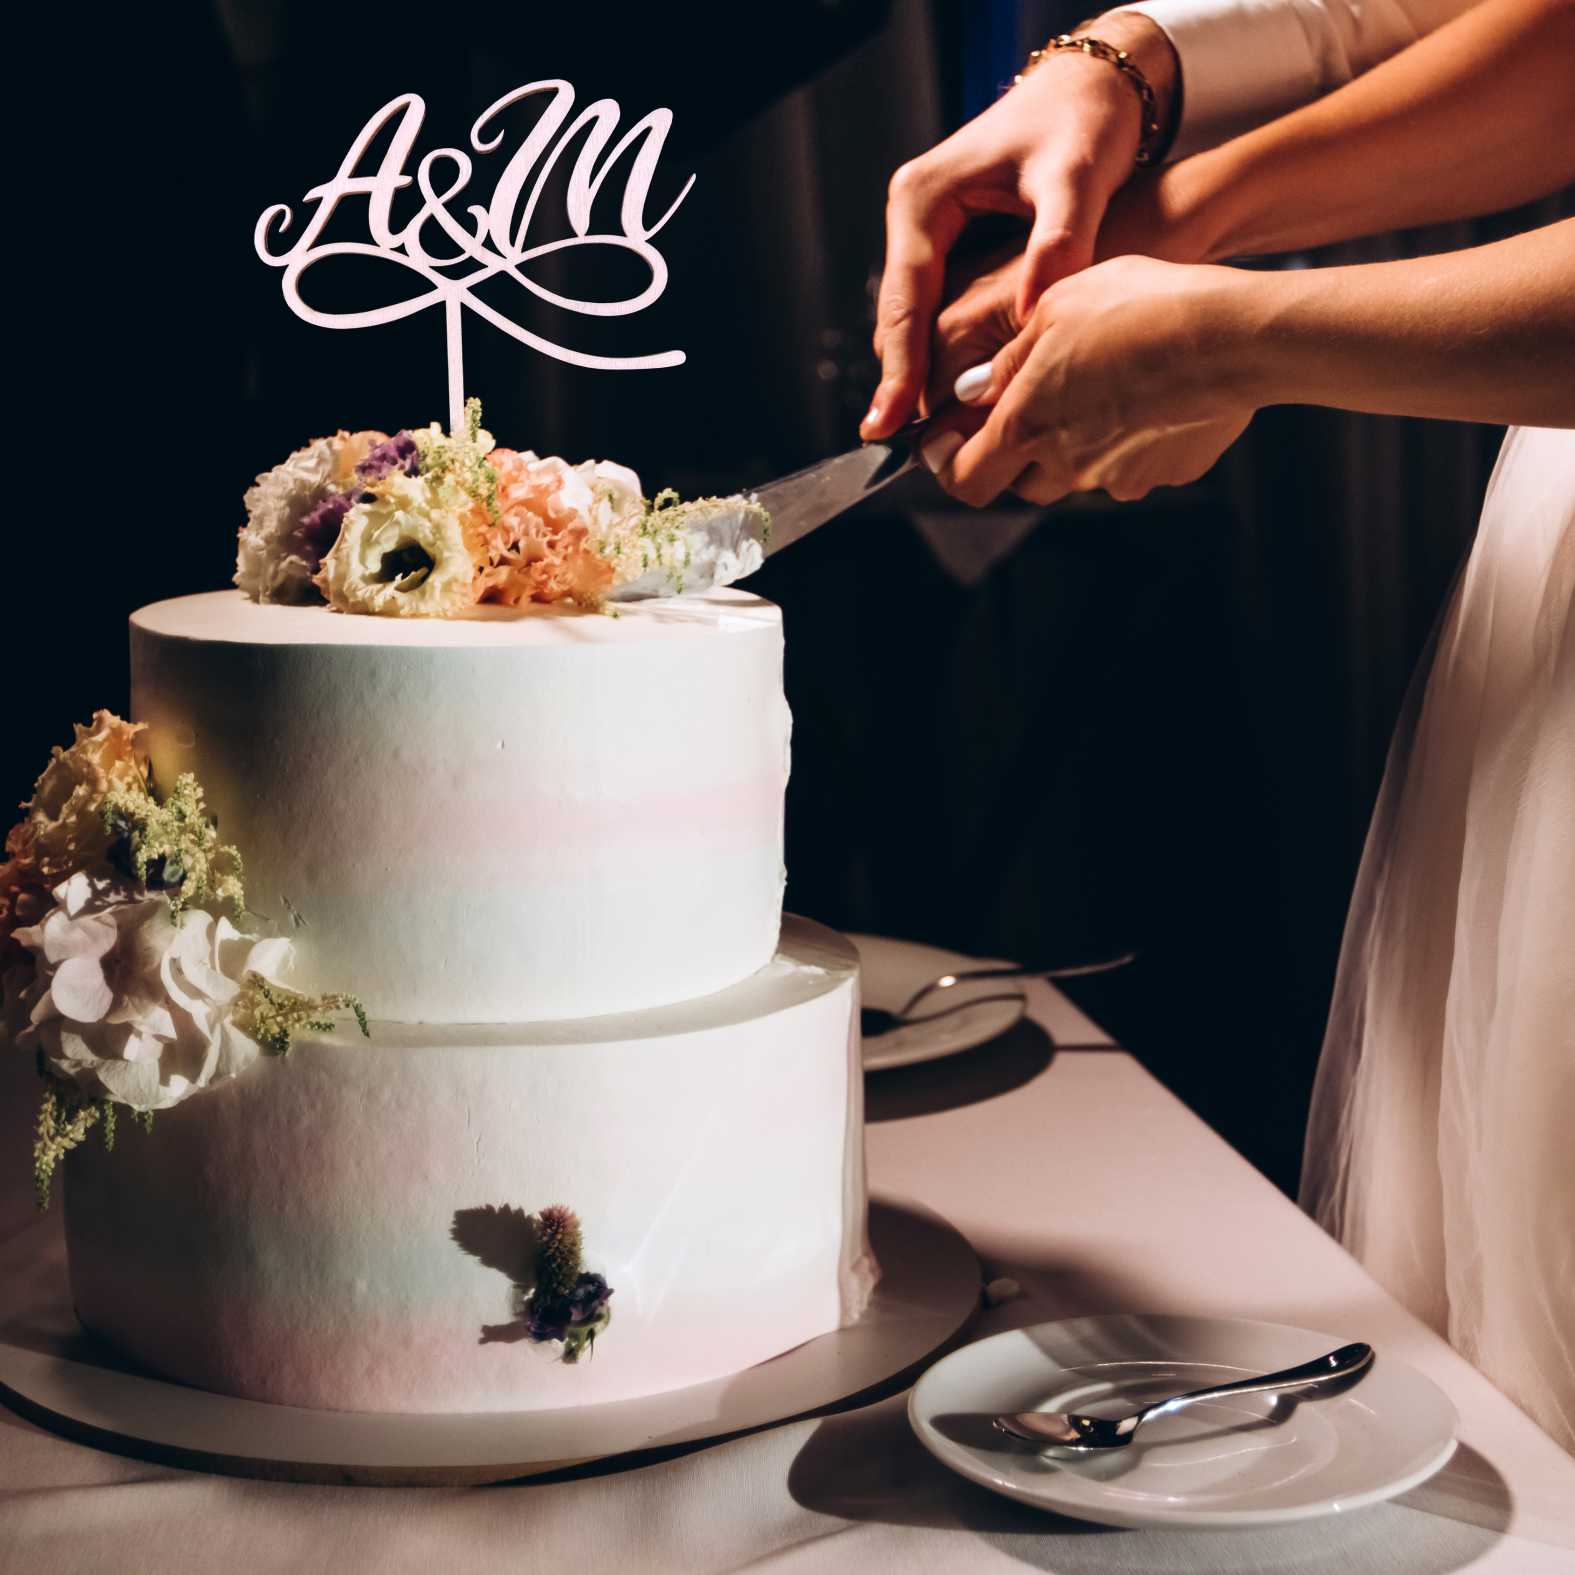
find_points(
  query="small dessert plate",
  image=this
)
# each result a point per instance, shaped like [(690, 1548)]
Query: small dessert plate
[(970, 1014), (1243, 1460)]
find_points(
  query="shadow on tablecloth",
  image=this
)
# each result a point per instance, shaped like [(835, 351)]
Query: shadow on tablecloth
[(967, 1077)]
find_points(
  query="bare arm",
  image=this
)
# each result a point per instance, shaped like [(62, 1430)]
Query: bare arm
[(1138, 373), (1481, 335), (1477, 117)]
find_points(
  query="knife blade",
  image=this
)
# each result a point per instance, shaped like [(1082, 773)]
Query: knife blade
[(808, 498)]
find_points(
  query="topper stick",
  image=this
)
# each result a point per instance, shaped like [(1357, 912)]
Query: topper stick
[(453, 320)]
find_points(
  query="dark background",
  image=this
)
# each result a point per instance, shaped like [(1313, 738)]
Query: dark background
[(1158, 726)]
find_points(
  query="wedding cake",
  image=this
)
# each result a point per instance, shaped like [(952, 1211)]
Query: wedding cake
[(604, 1137)]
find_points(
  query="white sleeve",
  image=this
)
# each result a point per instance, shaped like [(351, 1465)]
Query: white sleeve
[(1247, 61)]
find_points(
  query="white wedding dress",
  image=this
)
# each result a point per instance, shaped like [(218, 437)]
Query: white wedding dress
[(1441, 1145)]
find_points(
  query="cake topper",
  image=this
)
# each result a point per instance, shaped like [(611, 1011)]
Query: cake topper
[(489, 241)]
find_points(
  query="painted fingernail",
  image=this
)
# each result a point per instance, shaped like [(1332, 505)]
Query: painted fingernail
[(871, 416), (972, 383), (937, 451)]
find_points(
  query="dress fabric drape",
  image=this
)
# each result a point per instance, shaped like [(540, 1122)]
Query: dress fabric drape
[(1439, 1145)]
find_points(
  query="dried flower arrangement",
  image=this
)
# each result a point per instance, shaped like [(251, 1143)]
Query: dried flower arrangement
[(124, 971), (428, 524)]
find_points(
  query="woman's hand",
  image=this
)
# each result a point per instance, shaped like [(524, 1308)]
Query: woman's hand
[(1129, 375), (1053, 149)]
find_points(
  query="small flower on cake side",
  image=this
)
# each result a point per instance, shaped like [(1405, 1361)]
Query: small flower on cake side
[(567, 1302), (119, 977)]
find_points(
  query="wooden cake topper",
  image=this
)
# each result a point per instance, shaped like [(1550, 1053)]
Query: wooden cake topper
[(491, 240)]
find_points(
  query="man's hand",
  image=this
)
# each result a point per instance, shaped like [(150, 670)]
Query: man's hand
[(1053, 150), (978, 320)]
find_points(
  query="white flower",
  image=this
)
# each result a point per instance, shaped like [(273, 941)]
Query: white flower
[(129, 1002), (605, 496), (687, 547), (403, 554), (615, 497), (275, 561)]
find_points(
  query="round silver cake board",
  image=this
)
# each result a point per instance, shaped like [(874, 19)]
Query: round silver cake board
[(927, 1296)]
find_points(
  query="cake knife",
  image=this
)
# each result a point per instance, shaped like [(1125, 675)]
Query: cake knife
[(808, 498)]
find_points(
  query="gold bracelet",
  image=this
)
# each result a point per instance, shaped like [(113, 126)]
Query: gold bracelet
[(1149, 142)]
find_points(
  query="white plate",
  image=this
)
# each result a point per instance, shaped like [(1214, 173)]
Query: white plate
[(1246, 1460), (890, 973)]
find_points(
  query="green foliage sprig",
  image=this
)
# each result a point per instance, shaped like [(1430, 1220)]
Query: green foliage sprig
[(461, 459), (174, 846), (65, 1118), (566, 1302), (274, 1015), (170, 847)]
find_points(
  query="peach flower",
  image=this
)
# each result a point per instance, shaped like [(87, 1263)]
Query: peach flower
[(64, 830), (539, 547)]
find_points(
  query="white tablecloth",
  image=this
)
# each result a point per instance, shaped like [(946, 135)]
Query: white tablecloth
[(1073, 1172)]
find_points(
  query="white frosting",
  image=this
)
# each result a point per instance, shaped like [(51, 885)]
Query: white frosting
[(289, 1236), (504, 817), (712, 541)]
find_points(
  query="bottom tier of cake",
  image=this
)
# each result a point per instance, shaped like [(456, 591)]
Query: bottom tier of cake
[(350, 1227)]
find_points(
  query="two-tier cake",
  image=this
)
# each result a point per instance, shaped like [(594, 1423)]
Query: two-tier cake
[(605, 1137)]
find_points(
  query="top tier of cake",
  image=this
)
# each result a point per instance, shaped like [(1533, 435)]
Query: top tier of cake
[(511, 816)]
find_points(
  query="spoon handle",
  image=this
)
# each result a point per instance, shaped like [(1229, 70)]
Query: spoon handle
[(949, 981), (1343, 1363), (1066, 971)]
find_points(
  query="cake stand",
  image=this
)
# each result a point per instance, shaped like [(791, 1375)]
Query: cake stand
[(927, 1296)]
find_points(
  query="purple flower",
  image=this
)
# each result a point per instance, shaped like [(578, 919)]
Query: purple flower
[(554, 1318), (545, 1323), (397, 453), (587, 1299), (319, 527)]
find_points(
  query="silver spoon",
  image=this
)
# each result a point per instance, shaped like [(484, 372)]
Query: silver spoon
[(1073, 1430), (876, 1020)]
